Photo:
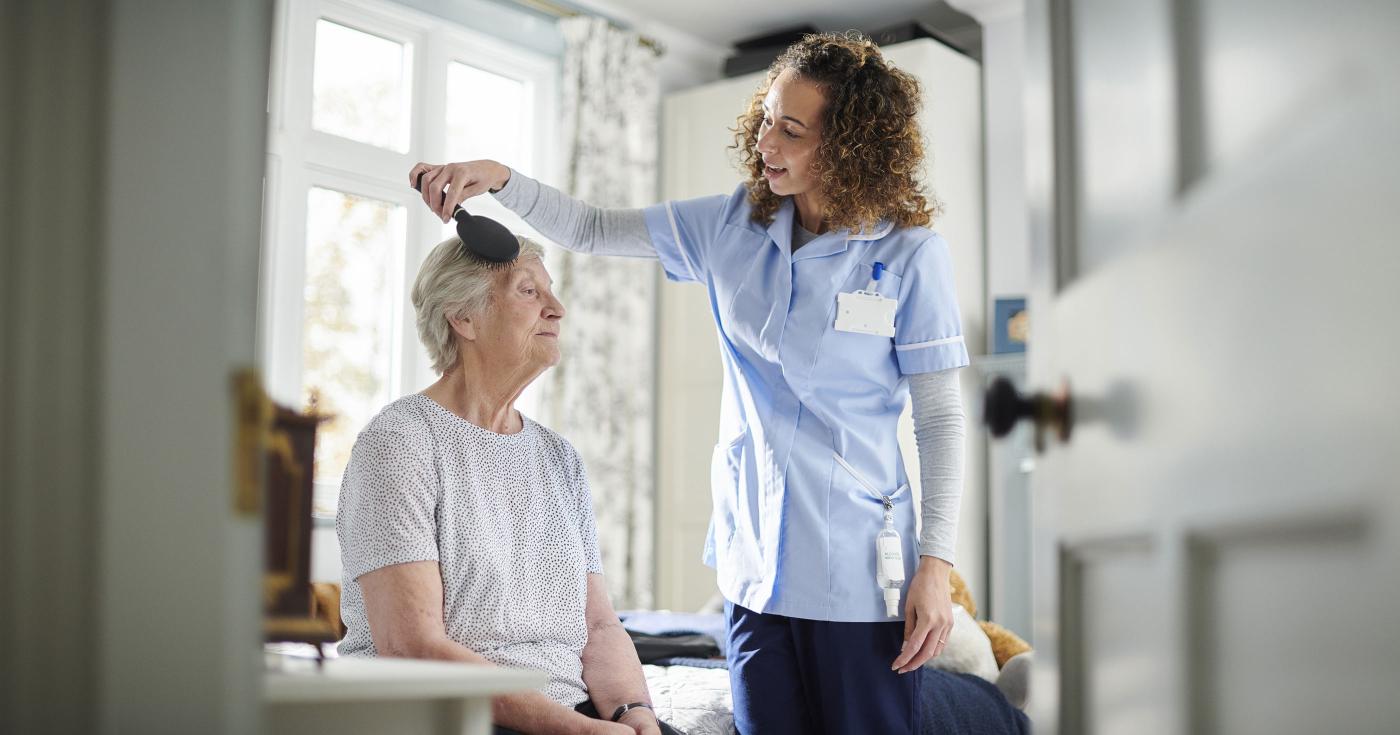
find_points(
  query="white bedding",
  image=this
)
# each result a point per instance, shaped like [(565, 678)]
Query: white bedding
[(693, 700)]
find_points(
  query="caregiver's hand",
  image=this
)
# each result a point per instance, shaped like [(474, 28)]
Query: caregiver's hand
[(928, 615), (458, 182)]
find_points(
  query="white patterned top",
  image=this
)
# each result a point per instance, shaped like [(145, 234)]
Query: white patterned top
[(507, 517)]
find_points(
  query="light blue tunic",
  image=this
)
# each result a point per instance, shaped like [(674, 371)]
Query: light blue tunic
[(808, 417)]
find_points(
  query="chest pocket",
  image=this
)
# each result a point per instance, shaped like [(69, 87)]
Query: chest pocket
[(853, 356)]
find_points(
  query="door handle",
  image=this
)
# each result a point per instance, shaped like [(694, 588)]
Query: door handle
[(1052, 412)]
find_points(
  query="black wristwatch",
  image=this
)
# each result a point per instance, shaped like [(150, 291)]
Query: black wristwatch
[(624, 709)]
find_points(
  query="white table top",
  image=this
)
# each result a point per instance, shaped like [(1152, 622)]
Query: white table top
[(359, 679)]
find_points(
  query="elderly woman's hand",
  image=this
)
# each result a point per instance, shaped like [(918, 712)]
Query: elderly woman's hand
[(603, 727), (447, 185), (641, 722)]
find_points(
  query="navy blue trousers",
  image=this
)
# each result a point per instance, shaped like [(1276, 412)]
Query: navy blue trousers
[(791, 675)]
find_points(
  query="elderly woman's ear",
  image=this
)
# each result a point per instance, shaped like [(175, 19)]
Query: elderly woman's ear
[(464, 327)]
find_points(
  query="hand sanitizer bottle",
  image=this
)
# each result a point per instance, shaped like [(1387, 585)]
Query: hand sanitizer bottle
[(889, 564)]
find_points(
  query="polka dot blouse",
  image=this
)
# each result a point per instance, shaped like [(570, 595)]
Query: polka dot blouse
[(508, 519)]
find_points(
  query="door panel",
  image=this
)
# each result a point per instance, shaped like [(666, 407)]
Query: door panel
[(1232, 367), (1266, 634), (1115, 608), (1265, 63), (1126, 137)]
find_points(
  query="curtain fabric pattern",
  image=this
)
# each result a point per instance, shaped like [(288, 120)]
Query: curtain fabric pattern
[(601, 395)]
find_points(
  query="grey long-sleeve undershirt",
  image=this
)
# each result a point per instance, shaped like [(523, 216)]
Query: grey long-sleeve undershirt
[(939, 421)]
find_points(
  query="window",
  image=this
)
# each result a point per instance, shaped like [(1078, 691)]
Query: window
[(360, 86), (362, 90), (353, 246)]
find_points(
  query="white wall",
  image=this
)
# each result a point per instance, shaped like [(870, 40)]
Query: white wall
[(1008, 242), (1008, 587)]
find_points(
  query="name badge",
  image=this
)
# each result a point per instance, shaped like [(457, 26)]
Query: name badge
[(866, 311)]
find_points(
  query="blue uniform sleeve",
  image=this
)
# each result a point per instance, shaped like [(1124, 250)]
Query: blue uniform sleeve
[(683, 233), (927, 326)]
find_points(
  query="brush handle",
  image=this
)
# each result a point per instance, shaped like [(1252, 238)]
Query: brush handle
[(456, 208), (481, 236)]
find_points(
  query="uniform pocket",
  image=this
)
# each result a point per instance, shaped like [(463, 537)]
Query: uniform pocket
[(868, 487), (728, 487), (864, 364), (856, 516), (858, 279)]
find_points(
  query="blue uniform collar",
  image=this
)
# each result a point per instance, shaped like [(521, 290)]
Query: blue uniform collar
[(780, 231)]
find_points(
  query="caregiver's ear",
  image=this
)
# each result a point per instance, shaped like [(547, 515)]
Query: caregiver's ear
[(464, 327)]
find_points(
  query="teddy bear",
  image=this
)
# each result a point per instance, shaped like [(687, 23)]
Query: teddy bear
[(984, 648), (1005, 644)]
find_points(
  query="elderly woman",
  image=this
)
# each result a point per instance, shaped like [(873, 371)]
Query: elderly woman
[(466, 529), (835, 309)]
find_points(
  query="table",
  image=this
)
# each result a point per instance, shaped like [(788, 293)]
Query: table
[(387, 695)]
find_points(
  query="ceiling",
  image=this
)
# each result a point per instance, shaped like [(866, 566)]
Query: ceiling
[(723, 22)]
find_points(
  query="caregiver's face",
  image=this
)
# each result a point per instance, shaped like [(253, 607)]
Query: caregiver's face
[(522, 324), (791, 133)]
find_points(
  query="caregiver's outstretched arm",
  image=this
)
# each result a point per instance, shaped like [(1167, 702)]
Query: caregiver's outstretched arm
[(572, 223)]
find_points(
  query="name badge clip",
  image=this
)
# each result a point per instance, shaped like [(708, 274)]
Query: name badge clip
[(866, 311)]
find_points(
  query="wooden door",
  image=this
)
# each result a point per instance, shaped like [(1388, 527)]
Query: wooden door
[(1217, 545)]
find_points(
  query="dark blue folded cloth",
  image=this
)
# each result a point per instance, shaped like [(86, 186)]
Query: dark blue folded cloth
[(964, 704)]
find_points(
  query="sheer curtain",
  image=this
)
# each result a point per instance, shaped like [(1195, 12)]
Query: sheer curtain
[(601, 395)]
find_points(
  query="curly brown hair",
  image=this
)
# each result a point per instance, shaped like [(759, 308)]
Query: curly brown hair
[(871, 156)]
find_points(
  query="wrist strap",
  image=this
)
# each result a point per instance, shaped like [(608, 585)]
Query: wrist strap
[(624, 709)]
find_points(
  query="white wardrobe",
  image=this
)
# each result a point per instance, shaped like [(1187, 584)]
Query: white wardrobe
[(696, 161)]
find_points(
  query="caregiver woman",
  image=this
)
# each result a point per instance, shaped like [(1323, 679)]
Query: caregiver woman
[(808, 458)]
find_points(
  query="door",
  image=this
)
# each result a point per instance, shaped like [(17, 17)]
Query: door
[(131, 148), (1217, 543)]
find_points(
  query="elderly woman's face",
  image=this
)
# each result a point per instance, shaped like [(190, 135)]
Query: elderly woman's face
[(791, 133), (522, 325)]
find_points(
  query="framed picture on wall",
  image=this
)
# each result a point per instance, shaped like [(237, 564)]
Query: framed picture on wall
[(1012, 325)]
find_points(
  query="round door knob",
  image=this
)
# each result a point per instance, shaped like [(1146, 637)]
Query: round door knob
[(1005, 406)]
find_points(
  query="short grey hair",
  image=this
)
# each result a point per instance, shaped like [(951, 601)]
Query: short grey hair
[(451, 283)]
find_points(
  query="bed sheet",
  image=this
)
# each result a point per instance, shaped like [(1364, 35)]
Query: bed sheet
[(693, 700)]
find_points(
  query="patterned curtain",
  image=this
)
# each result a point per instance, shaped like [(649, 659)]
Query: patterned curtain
[(601, 395)]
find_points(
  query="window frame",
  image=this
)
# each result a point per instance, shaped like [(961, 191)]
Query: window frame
[(300, 157)]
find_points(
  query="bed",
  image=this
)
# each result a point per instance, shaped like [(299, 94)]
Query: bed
[(689, 682)]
